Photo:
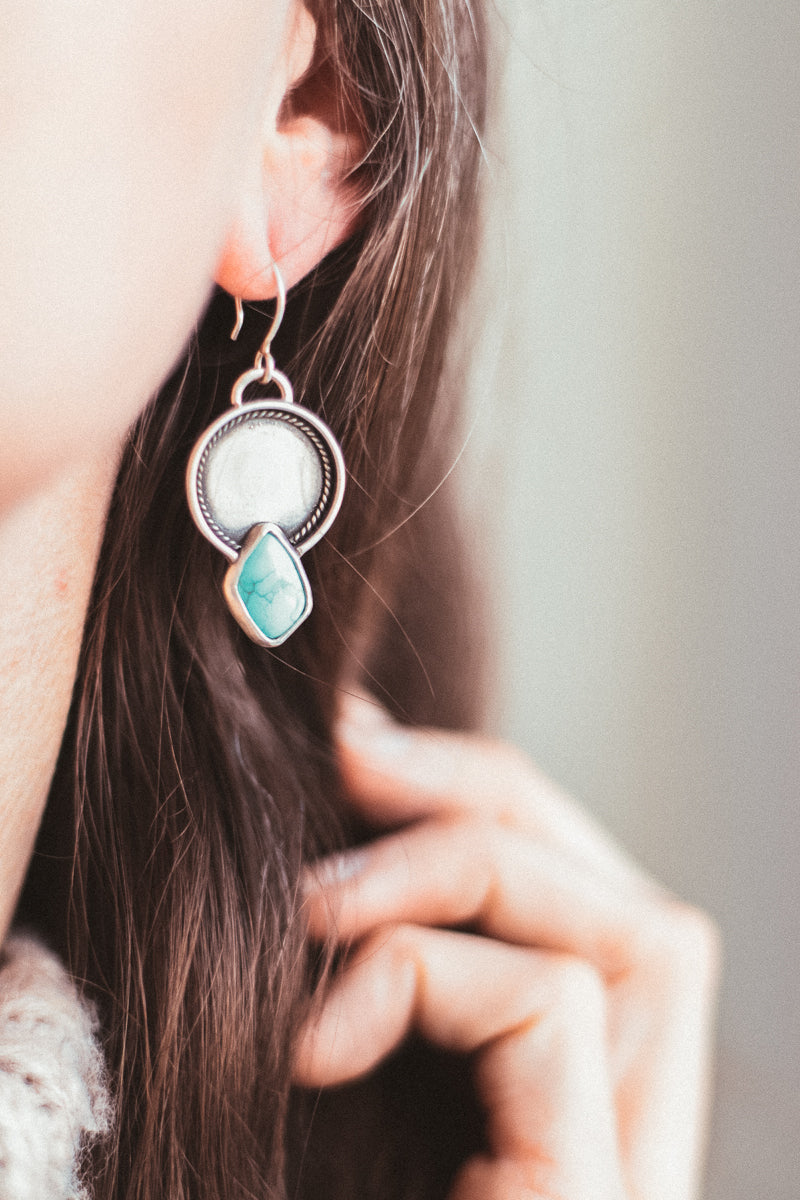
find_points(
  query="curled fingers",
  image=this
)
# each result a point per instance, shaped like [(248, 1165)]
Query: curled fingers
[(395, 775), (535, 1023)]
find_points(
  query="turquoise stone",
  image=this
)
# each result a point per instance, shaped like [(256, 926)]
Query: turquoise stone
[(272, 588)]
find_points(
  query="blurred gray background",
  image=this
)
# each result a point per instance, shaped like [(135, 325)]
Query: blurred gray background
[(637, 439)]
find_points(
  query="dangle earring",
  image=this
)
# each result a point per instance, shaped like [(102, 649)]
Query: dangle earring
[(264, 484)]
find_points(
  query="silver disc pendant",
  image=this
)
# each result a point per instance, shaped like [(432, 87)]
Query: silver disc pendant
[(264, 483)]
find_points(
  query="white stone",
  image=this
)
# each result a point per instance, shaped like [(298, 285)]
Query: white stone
[(262, 470)]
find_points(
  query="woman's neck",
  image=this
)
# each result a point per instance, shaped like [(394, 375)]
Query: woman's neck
[(48, 548)]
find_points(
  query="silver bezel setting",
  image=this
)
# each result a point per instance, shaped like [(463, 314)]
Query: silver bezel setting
[(317, 521), (234, 600)]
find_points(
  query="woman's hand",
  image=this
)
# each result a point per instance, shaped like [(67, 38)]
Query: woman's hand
[(582, 990)]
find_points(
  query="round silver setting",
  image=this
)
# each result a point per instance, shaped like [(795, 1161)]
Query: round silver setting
[(265, 461)]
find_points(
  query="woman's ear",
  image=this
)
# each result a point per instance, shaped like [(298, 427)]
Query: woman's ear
[(297, 201)]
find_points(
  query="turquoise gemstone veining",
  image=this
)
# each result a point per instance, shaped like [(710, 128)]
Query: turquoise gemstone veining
[(272, 587)]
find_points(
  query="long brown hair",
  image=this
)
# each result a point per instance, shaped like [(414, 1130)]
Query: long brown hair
[(196, 774)]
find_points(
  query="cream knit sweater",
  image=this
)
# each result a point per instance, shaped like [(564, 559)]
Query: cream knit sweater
[(54, 1099)]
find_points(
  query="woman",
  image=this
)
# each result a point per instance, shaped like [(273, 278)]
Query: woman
[(191, 789)]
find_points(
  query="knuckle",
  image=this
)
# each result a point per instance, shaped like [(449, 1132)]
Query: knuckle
[(400, 943), (395, 959), (480, 842), (576, 987), (508, 763), (691, 942), (515, 761), (391, 945), (698, 933)]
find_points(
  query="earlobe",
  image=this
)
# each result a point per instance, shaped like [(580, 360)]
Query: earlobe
[(298, 201)]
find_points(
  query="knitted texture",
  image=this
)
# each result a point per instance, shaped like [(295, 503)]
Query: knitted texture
[(54, 1100)]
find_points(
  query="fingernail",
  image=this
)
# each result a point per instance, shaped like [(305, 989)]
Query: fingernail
[(335, 870)]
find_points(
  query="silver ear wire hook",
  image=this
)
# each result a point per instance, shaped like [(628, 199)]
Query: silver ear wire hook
[(264, 362), (237, 329), (264, 357)]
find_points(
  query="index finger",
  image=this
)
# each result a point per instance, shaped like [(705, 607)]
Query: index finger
[(395, 774)]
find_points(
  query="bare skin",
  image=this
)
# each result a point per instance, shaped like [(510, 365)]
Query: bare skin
[(584, 995), (143, 160), (105, 144), (48, 547), (141, 152)]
